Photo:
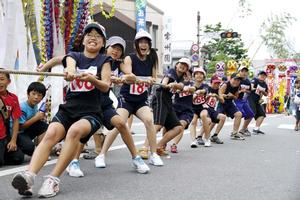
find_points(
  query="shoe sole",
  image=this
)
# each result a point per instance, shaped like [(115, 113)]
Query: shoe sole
[(217, 142), (140, 171), (151, 163), (21, 185), (100, 166), (194, 146), (245, 134), (76, 176), (238, 138), (46, 196)]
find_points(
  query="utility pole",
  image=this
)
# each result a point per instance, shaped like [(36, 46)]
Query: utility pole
[(200, 61)]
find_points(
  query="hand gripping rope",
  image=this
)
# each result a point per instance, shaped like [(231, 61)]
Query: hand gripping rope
[(118, 80)]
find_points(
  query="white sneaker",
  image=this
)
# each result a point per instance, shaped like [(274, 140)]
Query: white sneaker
[(140, 165), (74, 169), (100, 161), (50, 187), (194, 144), (155, 160), (207, 142), (23, 182)]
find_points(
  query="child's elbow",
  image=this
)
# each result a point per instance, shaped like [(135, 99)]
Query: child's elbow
[(105, 88)]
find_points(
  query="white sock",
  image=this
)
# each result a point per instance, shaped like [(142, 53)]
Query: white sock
[(256, 128)]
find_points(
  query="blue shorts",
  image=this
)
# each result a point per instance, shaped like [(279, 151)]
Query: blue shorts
[(197, 111), (130, 106), (244, 107), (186, 115), (213, 115), (108, 113), (164, 114), (67, 121), (297, 113), (228, 108)]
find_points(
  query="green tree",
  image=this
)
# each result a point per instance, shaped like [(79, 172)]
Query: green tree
[(218, 49), (274, 37)]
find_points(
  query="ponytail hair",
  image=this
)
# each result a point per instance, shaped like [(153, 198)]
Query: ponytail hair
[(153, 58)]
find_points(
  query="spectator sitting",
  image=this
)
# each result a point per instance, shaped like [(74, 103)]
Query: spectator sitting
[(9, 110), (31, 122)]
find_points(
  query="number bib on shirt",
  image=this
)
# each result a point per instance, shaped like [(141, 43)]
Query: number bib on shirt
[(212, 101), (199, 100), (245, 95), (259, 89), (139, 88), (184, 94), (83, 86)]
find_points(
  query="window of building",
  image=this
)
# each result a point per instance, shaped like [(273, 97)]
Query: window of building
[(148, 26), (154, 35)]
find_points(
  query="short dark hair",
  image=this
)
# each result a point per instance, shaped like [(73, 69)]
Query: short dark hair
[(297, 81), (6, 74), (38, 87)]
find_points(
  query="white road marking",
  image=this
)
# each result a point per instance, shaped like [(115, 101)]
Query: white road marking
[(51, 162), (286, 126)]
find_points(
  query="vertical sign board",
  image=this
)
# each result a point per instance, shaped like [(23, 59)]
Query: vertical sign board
[(167, 33), (140, 14)]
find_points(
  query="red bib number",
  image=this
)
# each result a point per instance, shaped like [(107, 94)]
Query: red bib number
[(184, 94), (83, 86), (212, 101), (199, 100), (138, 89)]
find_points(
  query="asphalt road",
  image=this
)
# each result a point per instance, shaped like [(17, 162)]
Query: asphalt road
[(263, 167)]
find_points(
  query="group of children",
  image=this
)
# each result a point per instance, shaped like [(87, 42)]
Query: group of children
[(181, 100)]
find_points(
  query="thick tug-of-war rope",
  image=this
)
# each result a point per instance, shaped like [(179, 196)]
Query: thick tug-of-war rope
[(31, 73), (117, 80), (114, 80)]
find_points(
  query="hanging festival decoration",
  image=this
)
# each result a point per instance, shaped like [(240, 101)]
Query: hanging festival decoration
[(91, 8), (73, 24), (57, 18), (292, 78), (46, 30), (281, 85), (220, 67), (245, 62), (31, 26), (270, 70), (82, 23), (68, 21), (231, 67), (112, 11)]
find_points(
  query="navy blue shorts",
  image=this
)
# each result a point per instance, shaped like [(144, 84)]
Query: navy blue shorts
[(197, 111), (131, 107), (186, 115), (164, 114), (257, 109), (108, 113), (244, 107), (67, 121), (297, 114), (36, 129), (228, 108), (213, 115)]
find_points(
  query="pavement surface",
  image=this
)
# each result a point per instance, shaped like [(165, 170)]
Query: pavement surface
[(263, 167)]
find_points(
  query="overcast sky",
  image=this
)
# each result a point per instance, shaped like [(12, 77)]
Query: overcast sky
[(184, 13)]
